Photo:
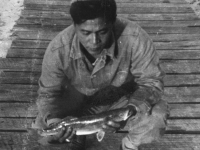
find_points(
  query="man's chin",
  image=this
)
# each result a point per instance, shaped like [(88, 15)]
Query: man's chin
[(95, 51)]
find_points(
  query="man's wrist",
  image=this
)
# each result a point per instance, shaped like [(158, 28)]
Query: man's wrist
[(52, 121)]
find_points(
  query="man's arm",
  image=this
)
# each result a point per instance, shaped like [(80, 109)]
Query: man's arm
[(49, 101), (147, 72)]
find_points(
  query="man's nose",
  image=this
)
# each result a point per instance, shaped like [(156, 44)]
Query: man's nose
[(95, 39)]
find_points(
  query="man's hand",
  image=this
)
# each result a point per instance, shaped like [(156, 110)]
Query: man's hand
[(66, 134), (111, 126)]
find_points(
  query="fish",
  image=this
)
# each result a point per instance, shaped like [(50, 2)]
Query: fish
[(92, 124)]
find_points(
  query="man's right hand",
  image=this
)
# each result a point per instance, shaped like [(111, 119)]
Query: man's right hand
[(66, 134), (63, 136)]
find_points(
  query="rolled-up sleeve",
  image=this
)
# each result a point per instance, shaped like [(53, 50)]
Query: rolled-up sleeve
[(146, 70), (49, 100)]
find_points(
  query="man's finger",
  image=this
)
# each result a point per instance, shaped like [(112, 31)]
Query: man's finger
[(67, 133), (56, 137), (73, 133), (113, 124)]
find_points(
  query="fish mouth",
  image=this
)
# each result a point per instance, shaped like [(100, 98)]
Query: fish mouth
[(129, 113)]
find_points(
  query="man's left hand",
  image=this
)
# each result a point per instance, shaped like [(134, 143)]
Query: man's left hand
[(111, 126)]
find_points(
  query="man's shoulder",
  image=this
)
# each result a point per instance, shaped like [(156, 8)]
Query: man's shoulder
[(126, 27), (129, 29), (62, 39)]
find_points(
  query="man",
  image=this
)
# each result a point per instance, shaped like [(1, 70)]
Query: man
[(100, 63)]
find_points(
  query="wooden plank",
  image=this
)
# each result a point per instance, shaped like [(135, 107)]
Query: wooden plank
[(49, 32), (16, 110), (180, 66), (34, 65), (118, 1), (28, 93), (174, 37), (19, 77), (179, 54), (172, 30), (67, 2), (18, 96), (17, 92), (181, 125), (18, 64), (64, 15), (164, 54), (152, 17), (66, 5), (36, 44), (25, 53), (185, 94), (33, 77), (143, 23), (19, 141), (138, 8), (168, 23), (184, 110), (153, 1), (174, 142), (29, 110), (178, 45), (44, 34), (181, 80), (15, 123)]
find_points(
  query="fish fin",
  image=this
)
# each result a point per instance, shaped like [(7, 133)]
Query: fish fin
[(100, 135)]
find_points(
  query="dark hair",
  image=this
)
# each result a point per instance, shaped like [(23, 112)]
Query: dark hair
[(82, 10)]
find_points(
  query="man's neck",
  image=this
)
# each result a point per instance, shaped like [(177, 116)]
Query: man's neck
[(90, 57)]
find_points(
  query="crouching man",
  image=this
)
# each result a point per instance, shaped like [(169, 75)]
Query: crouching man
[(102, 62)]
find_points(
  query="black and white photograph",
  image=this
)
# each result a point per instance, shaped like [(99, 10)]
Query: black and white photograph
[(99, 74)]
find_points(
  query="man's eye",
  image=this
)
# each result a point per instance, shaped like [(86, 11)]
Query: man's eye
[(85, 33), (103, 31)]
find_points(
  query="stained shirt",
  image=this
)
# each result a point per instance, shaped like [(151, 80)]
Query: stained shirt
[(131, 55)]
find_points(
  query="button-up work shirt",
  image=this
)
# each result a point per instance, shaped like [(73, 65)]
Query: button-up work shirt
[(130, 56)]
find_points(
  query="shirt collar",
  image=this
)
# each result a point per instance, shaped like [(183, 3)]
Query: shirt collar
[(76, 53)]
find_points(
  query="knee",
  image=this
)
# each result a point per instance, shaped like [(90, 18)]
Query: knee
[(39, 122), (160, 110)]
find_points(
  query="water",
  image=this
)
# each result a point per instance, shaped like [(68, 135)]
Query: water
[(10, 11)]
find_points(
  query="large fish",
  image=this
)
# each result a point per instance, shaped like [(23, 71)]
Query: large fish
[(89, 124)]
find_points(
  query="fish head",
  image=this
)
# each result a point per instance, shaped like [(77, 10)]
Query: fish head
[(121, 114), (125, 114)]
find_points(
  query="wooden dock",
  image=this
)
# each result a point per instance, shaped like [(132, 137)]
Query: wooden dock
[(173, 26)]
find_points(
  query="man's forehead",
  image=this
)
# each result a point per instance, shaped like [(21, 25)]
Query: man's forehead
[(97, 24)]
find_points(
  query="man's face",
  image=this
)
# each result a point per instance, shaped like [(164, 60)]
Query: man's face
[(94, 35)]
